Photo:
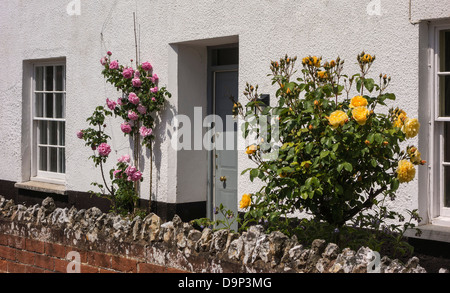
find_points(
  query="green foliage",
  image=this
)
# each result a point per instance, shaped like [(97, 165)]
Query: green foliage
[(338, 156), (149, 100)]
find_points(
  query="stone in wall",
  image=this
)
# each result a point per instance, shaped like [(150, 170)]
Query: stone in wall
[(181, 246)]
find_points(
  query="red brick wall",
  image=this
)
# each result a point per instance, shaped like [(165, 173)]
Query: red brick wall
[(25, 255)]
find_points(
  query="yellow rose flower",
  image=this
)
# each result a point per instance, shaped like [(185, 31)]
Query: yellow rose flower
[(367, 58), (337, 118), (411, 127), (401, 117), (358, 101), (251, 150), (405, 171), (322, 74), (415, 157), (245, 201), (360, 114), (316, 61)]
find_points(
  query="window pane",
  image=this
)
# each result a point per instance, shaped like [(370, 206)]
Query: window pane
[(42, 158), (62, 160), (39, 78), (226, 56), (39, 104), (49, 105), (59, 78), (445, 50), (42, 132), (53, 160), (49, 78), (59, 105), (447, 142), (53, 132), (444, 95), (61, 135), (446, 187)]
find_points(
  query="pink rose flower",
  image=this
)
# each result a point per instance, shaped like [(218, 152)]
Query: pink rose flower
[(111, 104), (130, 170), (124, 159), (133, 98), (128, 72), (137, 82), (80, 134), (155, 78), (136, 176), (132, 115), (144, 131), (104, 149), (119, 102), (137, 74), (114, 65), (103, 61), (147, 66), (142, 109), (154, 99), (125, 127), (154, 89), (117, 174), (109, 53)]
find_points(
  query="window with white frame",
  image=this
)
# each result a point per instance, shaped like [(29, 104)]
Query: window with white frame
[(441, 122), (48, 118)]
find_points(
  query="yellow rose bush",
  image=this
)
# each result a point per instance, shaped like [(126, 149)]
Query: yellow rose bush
[(339, 152)]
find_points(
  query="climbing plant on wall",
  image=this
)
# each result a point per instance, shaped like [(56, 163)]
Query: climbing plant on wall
[(140, 101)]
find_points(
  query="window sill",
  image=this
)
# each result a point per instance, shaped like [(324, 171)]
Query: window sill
[(437, 231), (42, 187)]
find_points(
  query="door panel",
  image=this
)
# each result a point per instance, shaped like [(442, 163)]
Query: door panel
[(225, 163)]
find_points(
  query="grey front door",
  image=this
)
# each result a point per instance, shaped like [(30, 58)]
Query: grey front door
[(225, 87)]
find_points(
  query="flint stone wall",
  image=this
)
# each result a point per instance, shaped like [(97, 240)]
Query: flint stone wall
[(178, 245)]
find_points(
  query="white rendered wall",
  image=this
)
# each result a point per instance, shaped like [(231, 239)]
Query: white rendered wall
[(266, 30)]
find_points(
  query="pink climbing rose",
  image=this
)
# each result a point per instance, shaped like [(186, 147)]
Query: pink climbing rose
[(128, 72), (144, 131), (80, 134), (130, 170), (137, 82), (147, 66), (136, 176), (103, 61), (111, 104), (154, 89), (117, 174), (104, 149), (126, 127), (132, 115), (155, 78), (114, 65), (133, 98), (142, 109), (124, 159)]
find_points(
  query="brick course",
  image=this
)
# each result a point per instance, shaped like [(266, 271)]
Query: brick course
[(27, 255)]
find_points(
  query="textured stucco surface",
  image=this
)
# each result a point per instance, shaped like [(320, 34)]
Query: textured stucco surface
[(266, 30)]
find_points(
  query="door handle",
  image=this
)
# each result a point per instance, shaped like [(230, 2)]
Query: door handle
[(223, 178)]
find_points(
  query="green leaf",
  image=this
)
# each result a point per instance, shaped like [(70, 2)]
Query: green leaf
[(369, 84)]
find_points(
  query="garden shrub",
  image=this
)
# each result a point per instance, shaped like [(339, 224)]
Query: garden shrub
[(339, 156)]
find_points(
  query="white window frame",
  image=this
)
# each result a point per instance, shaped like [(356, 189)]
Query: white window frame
[(36, 174), (440, 215)]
